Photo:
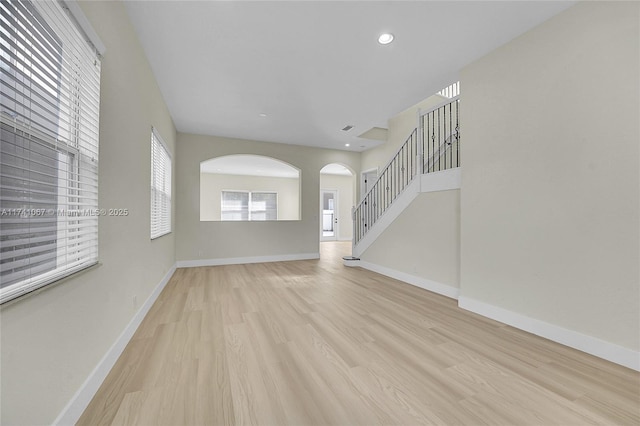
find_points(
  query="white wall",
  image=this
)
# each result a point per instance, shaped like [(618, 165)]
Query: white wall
[(550, 178), (424, 241), (198, 240), (212, 185), (345, 185), (53, 339), (400, 127)]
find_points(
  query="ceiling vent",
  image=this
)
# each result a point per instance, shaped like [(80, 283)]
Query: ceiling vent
[(347, 128)]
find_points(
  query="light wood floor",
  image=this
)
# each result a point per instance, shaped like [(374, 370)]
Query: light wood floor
[(314, 342)]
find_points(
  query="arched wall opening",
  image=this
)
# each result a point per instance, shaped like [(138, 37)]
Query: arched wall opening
[(249, 188), (337, 198)]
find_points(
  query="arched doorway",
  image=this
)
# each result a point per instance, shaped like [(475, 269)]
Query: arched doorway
[(337, 198)]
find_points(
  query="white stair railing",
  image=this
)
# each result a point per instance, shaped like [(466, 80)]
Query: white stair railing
[(432, 146)]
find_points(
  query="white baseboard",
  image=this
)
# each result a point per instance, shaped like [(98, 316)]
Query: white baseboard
[(74, 409), (242, 260), (434, 286), (582, 342)]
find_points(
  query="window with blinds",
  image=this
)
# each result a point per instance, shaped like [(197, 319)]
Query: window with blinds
[(49, 109), (160, 187), (247, 205)]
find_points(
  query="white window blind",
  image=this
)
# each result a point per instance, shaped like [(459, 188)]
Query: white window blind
[(245, 205), (451, 91), (49, 109), (235, 205), (264, 206), (160, 187)]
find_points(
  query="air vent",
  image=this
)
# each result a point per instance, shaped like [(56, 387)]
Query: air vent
[(347, 128)]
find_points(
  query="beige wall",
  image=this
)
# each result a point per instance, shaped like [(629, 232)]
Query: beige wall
[(212, 185), (198, 240), (52, 340), (550, 180), (345, 185), (400, 127), (424, 241)]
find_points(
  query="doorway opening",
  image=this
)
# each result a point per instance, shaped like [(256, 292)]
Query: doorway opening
[(337, 198), (368, 178), (329, 206)]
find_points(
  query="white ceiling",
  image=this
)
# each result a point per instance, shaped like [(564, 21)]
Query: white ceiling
[(314, 67)]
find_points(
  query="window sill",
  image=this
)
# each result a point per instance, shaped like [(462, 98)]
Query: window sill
[(50, 285)]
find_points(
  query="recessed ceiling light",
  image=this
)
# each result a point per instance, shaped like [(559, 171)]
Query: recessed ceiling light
[(346, 144), (262, 114), (385, 38)]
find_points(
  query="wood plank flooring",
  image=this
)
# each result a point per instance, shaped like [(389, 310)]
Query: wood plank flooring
[(316, 343)]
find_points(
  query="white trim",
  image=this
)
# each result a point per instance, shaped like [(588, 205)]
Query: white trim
[(243, 260), (446, 102), (83, 22), (79, 402), (433, 286), (582, 342), (444, 180)]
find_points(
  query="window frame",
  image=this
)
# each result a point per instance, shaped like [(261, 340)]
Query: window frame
[(249, 203), (51, 110), (166, 223)]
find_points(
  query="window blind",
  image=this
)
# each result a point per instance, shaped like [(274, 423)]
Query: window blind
[(249, 205), (264, 206), (235, 205), (160, 187), (49, 111)]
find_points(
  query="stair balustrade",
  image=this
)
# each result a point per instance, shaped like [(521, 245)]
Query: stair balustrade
[(434, 145)]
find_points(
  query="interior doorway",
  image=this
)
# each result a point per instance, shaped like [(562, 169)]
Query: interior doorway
[(368, 178), (329, 211), (337, 196)]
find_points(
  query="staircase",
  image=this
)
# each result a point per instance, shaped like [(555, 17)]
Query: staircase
[(433, 146)]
